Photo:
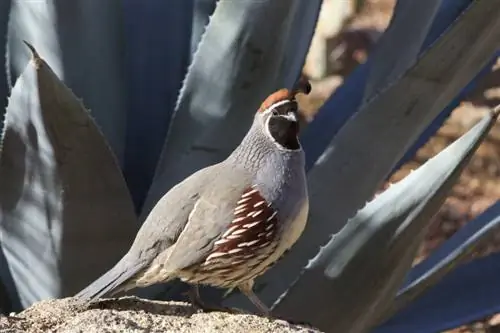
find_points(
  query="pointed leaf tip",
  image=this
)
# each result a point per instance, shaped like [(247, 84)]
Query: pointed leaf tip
[(496, 111), (34, 54)]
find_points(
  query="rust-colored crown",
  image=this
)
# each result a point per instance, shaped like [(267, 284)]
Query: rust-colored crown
[(301, 86)]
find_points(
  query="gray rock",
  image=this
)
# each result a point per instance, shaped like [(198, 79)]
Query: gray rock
[(135, 315)]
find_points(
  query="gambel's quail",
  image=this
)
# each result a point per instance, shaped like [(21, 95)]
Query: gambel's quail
[(228, 223)]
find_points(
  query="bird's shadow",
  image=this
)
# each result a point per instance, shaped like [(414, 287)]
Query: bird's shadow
[(132, 303), (179, 309)]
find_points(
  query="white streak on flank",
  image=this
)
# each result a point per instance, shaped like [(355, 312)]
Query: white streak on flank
[(270, 233), (241, 206), (215, 255), (264, 244), (249, 193), (233, 236), (239, 219), (236, 250), (271, 217), (257, 213), (229, 231), (260, 203), (221, 241), (248, 243), (269, 227), (249, 225), (243, 200), (240, 209), (240, 231)]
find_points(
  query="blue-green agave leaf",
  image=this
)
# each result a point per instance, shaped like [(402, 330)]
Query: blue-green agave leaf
[(249, 49), (438, 122), (366, 149), (4, 85), (468, 293), (445, 262), (156, 62), (330, 119), (66, 214), (202, 11), (411, 21), (83, 42), (355, 277)]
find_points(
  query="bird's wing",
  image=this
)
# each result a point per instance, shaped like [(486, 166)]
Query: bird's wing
[(157, 234), (230, 219), (210, 218), (170, 215)]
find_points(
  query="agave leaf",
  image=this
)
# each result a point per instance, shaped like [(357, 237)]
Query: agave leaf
[(357, 274), (66, 213), (331, 118), (83, 42), (448, 256), (237, 64), (411, 21), (441, 118), (202, 11), (468, 293), (365, 150), (4, 85), (156, 66)]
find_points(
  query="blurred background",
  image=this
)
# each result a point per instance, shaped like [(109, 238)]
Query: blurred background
[(83, 42), (345, 33)]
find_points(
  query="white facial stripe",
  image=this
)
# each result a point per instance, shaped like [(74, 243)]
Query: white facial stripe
[(275, 105), (290, 116)]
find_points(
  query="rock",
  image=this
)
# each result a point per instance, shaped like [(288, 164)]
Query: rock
[(134, 315)]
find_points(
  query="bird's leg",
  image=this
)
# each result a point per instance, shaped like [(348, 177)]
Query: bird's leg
[(247, 290), (195, 298)]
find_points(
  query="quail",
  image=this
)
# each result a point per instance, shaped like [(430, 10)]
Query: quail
[(228, 223)]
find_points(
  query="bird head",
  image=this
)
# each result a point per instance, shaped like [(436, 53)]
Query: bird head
[(278, 116)]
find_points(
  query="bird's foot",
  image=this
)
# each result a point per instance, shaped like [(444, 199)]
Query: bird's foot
[(197, 302)]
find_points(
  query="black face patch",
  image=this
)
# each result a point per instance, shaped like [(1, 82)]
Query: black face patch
[(284, 131), (283, 109)]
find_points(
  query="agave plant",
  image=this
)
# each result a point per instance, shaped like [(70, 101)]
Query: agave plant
[(172, 87)]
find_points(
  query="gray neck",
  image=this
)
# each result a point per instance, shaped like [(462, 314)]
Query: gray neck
[(279, 173), (257, 150)]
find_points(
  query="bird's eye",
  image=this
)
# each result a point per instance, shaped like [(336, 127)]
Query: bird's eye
[(274, 112)]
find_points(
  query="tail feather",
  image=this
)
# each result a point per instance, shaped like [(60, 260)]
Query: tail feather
[(113, 281)]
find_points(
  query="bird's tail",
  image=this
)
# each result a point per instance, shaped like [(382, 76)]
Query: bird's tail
[(113, 281)]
